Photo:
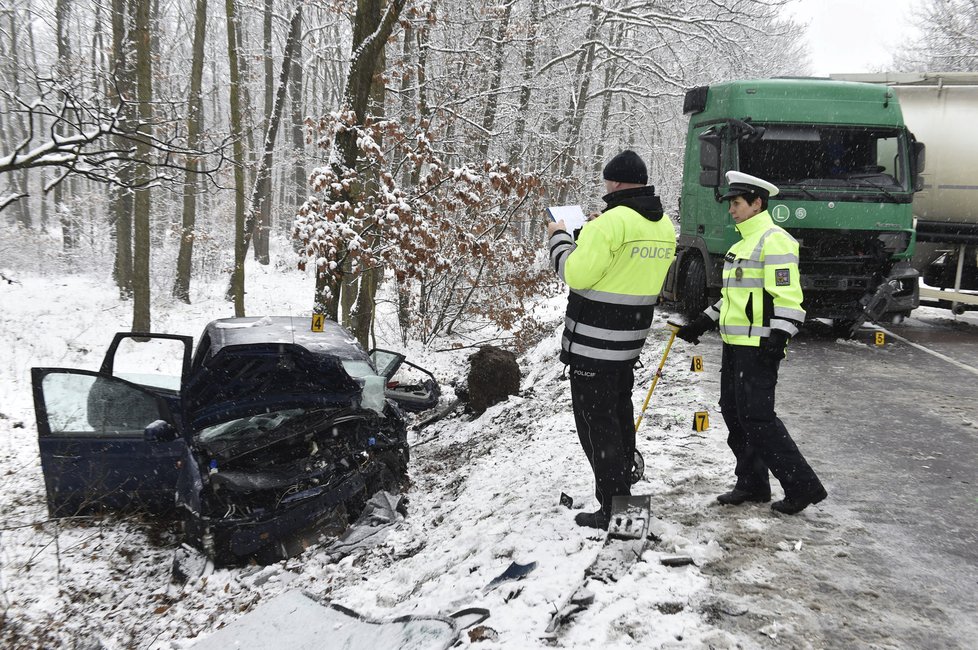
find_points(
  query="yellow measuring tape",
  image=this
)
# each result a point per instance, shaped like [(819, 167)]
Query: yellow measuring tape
[(658, 373)]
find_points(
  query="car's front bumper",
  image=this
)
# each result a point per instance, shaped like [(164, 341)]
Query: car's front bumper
[(265, 535)]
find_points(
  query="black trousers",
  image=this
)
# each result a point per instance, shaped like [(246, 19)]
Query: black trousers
[(604, 415), (757, 437)]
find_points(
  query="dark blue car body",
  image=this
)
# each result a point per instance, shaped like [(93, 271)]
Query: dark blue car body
[(271, 438)]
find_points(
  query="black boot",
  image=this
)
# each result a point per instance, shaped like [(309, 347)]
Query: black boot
[(794, 506), (737, 496), (597, 519)]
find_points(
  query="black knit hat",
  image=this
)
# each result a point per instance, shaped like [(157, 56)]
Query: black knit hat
[(626, 167)]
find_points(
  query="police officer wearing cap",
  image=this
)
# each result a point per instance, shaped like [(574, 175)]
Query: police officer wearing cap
[(615, 271), (758, 312)]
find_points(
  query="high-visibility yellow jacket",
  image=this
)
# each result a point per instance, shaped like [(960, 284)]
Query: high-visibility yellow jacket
[(615, 272), (761, 288)]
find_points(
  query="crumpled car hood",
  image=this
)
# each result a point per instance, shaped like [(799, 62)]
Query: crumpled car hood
[(244, 380)]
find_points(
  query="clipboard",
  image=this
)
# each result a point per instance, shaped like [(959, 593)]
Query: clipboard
[(572, 215)]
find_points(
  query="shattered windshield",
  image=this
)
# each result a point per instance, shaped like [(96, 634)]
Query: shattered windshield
[(357, 368), (822, 157), (234, 439), (255, 425)]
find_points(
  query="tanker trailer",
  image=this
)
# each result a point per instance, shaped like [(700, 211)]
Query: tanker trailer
[(941, 108)]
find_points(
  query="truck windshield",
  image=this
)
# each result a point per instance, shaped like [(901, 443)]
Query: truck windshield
[(829, 158)]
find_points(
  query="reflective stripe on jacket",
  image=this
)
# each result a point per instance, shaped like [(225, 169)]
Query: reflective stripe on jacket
[(615, 272), (761, 285)]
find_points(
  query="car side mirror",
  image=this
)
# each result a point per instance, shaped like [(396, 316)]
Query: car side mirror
[(160, 431)]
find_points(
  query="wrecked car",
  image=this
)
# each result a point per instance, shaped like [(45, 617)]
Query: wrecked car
[(268, 437)]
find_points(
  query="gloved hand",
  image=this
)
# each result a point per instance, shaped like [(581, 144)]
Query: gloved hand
[(693, 330), (773, 345)]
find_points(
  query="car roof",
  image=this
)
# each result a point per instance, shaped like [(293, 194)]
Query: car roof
[(334, 340)]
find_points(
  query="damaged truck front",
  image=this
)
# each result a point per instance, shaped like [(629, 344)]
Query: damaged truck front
[(847, 169)]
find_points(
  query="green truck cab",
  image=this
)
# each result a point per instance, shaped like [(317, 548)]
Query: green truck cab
[(847, 169)]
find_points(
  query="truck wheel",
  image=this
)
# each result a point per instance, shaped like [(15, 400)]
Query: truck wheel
[(692, 292)]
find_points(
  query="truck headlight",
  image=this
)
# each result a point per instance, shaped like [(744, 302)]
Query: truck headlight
[(895, 242)]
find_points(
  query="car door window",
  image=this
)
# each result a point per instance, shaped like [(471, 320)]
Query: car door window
[(79, 404), (386, 362), (153, 360)]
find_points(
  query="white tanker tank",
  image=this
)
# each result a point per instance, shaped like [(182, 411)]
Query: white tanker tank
[(941, 109)]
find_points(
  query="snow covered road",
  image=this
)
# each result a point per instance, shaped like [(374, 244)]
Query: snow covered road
[(893, 433)]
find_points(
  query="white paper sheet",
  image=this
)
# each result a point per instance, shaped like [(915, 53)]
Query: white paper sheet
[(572, 215)]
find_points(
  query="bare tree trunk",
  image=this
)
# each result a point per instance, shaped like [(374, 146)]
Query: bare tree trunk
[(415, 49), (244, 74), (366, 298), (69, 225), (181, 285), (17, 128), (371, 30), (403, 309), (520, 144), (141, 204), (424, 34), (215, 95), (42, 200), (495, 80), (98, 53), (349, 286), (363, 316), (122, 197), (523, 107), (247, 227), (409, 97), (298, 129), (236, 288), (469, 67), (372, 27), (164, 212), (609, 75), (264, 222), (576, 110)]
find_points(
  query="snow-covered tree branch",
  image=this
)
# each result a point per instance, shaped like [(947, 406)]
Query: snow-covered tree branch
[(83, 138)]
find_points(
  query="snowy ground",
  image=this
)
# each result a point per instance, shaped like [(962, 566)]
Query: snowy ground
[(485, 494)]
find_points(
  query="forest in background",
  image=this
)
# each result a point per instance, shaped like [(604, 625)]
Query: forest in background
[(414, 142)]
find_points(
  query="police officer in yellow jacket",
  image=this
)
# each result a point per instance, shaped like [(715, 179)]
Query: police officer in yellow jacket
[(615, 271), (758, 312)]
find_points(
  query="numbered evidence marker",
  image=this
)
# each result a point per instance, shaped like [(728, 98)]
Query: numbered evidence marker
[(701, 421), (879, 339), (317, 322), (697, 364)]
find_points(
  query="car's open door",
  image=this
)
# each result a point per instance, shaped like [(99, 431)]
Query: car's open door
[(412, 387), (105, 443), (160, 362)]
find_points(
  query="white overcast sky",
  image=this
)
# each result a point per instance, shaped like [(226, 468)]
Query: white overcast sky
[(854, 35)]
